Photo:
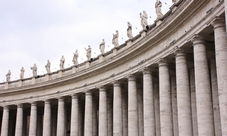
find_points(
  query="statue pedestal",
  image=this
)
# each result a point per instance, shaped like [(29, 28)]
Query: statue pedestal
[(87, 65), (101, 58), (20, 83), (129, 43), (158, 22), (74, 69), (6, 85), (114, 51), (33, 80), (60, 73), (143, 33), (47, 77)]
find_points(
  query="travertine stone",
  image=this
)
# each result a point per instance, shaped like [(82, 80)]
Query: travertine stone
[(95, 117), (101, 58), (47, 119), (61, 117), (157, 110), (33, 120), (60, 73), (193, 103), (125, 112), (183, 95), (33, 80), (87, 65), (88, 115), (75, 116), (140, 111), (216, 109), (221, 63), (203, 90), (102, 112), (165, 99), (148, 104), (109, 114), (133, 126), (117, 110), (47, 77), (5, 121), (19, 121)]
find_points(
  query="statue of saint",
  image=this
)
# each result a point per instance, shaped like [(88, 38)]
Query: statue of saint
[(115, 39), (102, 46), (144, 20), (129, 31), (62, 61), (22, 73), (158, 6), (48, 66), (34, 70), (88, 52), (75, 58), (8, 76)]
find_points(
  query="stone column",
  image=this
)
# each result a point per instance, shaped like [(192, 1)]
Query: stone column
[(216, 109), (75, 116), (183, 95), (203, 90), (61, 117), (221, 64), (165, 99), (5, 121), (102, 112), (117, 110), (47, 119), (157, 110), (226, 14), (94, 117), (133, 126), (19, 121), (88, 114), (33, 119), (125, 112), (148, 103)]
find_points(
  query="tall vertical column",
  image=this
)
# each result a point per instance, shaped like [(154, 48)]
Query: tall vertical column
[(165, 99), (5, 121), (125, 112), (88, 114), (221, 64), (183, 95), (203, 90), (19, 121), (109, 114), (117, 110), (47, 119), (216, 109), (75, 116), (157, 109), (102, 112), (94, 117), (148, 103), (226, 14), (33, 119), (133, 126), (61, 117)]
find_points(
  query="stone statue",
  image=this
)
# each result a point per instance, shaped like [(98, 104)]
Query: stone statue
[(48, 66), (75, 58), (115, 39), (102, 46), (8, 76), (158, 6), (144, 20), (129, 31), (88, 52), (62, 61), (34, 70), (22, 73)]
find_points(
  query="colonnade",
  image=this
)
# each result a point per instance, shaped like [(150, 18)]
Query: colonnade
[(183, 95)]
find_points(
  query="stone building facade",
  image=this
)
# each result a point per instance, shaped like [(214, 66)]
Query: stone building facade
[(170, 80)]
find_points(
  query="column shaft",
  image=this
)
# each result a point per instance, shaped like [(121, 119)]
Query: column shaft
[(19, 121), (33, 120), (133, 126), (117, 110), (183, 95), (5, 121), (75, 116), (148, 104), (165, 100), (88, 115), (203, 90), (47, 119), (102, 112), (61, 118), (221, 64), (157, 110)]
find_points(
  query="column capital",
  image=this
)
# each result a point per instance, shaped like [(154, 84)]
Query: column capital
[(198, 39), (61, 99), (179, 52), (20, 105), (6, 107), (74, 96), (116, 83), (33, 103), (218, 22), (88, 92), (102, 88), (146, 70), (162, 62), (47, 101), (131, 77)]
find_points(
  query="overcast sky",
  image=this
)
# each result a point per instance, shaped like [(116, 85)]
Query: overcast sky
[(34, 31)]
